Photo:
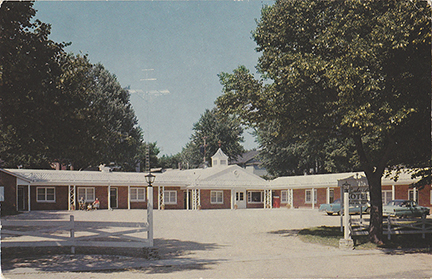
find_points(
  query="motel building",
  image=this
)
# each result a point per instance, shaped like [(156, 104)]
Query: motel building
[(221, 186)]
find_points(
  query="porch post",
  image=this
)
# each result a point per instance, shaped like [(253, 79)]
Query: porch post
[(28, 198), (328, 195), (159, 198), (313, 198), (128, 197), (232, 198), (187, 199), (109, 196), (393, 192)]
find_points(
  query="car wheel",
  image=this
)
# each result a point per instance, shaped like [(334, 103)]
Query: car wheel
[(330, 213)]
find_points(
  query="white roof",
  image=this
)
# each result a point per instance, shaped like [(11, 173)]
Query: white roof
[(227, 178), (330, 180)]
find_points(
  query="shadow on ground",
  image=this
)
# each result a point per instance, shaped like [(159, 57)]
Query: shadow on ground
[(168, 255)]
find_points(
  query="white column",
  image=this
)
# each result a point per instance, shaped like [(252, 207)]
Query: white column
[(393, 192), (109, 196), (233, 200), (159, 198), (328, 195), (346, 216), (187, 199), (28, 197), (128, 197), (313, 198), (150, 215)]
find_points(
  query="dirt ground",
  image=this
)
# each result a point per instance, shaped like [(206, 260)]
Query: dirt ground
[(251, 243)]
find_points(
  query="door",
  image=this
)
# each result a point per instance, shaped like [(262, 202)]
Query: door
[(22, 198), (114, 197), (240, 199)]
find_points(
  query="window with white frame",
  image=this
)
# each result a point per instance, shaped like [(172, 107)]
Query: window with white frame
[(216, 197), (284, 196), (386, 196), (88, 193), (308, 198), (137, 194), (45, 194), (255, 196), (170, 197)]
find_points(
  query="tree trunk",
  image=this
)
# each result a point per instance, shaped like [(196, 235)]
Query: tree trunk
[(376, 224)]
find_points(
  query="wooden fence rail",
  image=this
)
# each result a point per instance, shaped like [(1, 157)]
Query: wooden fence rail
[(393, 226), (20, 233)]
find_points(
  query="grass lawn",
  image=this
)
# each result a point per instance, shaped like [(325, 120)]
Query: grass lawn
[(330, 236)]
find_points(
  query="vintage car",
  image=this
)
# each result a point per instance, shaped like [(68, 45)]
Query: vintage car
[(405, 208), (335, 207)]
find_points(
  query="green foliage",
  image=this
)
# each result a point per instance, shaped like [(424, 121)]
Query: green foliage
[(343, 69), (300, 154), (56, 106), (218, 130)]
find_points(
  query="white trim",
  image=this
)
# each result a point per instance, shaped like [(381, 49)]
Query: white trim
[(430, 196), (218, 197), (87, 197), (167, 195), (45, 200), (249, 196), (311, 195), (137, 194)]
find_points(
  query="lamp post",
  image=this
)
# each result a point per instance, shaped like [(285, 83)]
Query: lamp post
[(150, 178)]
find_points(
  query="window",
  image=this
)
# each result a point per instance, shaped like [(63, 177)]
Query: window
[(214, 162), (284, 196), (216, 197), (255, 196), (88, 193), (411, 195), (223, 162), (331, 195), (308, 198), (239, 196), (386, 196), (137, 194), (45, 194), (170, 197)]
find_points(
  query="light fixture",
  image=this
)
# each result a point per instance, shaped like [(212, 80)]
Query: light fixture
[(150, 178)]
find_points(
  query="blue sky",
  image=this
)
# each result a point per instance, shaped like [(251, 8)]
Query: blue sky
[(168, 52)]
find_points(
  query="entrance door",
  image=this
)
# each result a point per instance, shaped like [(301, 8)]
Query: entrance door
[(114, 197), (22, 198), (240, 199)]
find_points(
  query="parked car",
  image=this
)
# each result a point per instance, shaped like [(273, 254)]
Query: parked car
[(405, 208), (335, 207)]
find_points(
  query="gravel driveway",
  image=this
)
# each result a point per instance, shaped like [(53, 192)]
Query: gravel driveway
[(251, 243)]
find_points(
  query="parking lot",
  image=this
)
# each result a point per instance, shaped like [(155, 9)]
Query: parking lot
[(251, 243)]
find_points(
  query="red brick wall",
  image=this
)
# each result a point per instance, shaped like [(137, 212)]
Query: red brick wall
[(61, 199), (206, 201), (9, 182)]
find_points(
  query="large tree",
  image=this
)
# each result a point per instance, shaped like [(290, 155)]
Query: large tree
[(56, 106), (212, 131), (357, 70), (29, 68)]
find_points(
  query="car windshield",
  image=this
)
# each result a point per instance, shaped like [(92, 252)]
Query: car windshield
[(396, 202), (337, 201)]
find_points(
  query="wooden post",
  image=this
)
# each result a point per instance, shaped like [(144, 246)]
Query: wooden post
[(72, 234), (150, 215), (388, 228), (423, 225)]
